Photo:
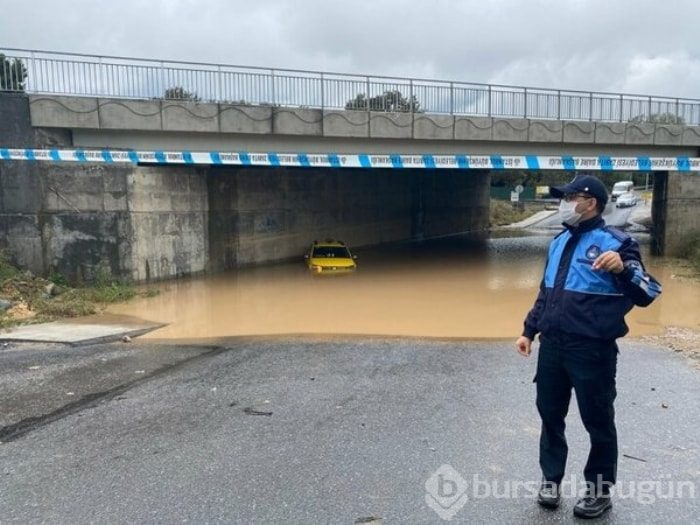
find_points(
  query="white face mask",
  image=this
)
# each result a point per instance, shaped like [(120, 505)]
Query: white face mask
[(568, 213)]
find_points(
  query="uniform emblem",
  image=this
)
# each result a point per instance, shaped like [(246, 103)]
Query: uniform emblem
[(593, 252)]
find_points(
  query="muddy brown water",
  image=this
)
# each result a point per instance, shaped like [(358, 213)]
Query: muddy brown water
[(455, 287)]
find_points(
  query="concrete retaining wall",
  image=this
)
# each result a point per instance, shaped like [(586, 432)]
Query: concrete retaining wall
[(675, 212), (455, 202), (168, 212), (22, 184), (135, 222)]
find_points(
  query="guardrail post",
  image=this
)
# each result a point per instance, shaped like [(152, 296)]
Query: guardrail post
[(621, 105), (410, 95), (590, 107), (489, 100), (219, 85), (163, 87), (678, 116), (525, 105), (452, 98), (323, 92), (32, 68), (649, 110), (558, 104), (99, 76), (272, 87), (367, 98)]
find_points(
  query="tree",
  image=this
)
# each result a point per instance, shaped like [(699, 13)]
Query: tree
[(659, 118), (511, 178), (12, 74), (393, 101), (180, 93)]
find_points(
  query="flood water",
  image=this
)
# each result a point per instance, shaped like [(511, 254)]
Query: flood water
[(452, 287)]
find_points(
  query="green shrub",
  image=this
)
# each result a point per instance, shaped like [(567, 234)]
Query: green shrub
[(58, 279)]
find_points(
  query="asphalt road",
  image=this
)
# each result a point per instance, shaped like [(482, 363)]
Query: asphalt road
[(357, 427), (618, 217)]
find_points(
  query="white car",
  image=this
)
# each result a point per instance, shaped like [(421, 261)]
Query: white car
[(627, 199), (621, 188)]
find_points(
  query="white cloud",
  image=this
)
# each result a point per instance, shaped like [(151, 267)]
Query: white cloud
[(652, 75), (625, 45)]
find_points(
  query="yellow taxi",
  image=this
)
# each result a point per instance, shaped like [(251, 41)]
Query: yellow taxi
[(330, 257)]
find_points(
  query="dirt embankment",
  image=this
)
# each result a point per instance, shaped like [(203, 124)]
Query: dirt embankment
[(26, 298), (682, 340)]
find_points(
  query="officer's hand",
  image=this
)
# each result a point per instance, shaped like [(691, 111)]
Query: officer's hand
[(609, 262), (524, 345)]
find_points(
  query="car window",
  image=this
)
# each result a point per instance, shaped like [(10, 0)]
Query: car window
[(330, 251), (622, 186)]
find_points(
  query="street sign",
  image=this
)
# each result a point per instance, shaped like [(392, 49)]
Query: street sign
[(514, 196), (519, 188)]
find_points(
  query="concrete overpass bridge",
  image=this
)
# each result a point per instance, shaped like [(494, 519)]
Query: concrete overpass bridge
[(163, 169)]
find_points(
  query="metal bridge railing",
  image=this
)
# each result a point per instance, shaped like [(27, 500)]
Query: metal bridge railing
[(43, 72)]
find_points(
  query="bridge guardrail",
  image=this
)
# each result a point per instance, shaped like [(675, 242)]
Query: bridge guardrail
[(45, 72)]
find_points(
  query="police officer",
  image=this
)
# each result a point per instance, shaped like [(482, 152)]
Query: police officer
[(593, 276)]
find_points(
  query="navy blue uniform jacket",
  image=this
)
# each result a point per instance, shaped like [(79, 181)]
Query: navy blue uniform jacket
[(575, 300)]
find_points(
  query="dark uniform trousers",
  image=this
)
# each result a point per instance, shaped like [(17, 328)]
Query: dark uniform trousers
[(589, 367)]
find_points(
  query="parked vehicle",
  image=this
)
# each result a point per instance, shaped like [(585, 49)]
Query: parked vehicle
[(621, 187), (627, 199)]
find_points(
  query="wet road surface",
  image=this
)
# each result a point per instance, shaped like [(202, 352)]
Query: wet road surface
[(356, 429), (614, 216)]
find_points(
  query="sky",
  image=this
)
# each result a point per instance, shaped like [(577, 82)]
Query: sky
[(627, 46)]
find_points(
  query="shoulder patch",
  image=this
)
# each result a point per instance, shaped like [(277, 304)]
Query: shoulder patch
[(618, 234)]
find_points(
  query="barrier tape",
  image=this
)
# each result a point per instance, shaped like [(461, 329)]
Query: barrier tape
[(361, 160)]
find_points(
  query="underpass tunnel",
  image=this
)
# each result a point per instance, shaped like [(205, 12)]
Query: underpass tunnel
[(262, 214)]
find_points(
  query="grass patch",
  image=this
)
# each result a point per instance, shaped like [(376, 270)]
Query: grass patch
[(114, 292), (69, 304), (503, 213), (151, 292)]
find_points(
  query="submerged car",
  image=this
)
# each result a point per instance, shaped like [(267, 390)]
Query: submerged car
[(330, 257), (626, 200)]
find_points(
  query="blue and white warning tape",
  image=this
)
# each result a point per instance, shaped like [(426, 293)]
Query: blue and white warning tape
[(361, 160)]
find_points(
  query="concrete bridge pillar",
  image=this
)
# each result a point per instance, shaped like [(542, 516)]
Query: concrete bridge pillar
[(675, 211)]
